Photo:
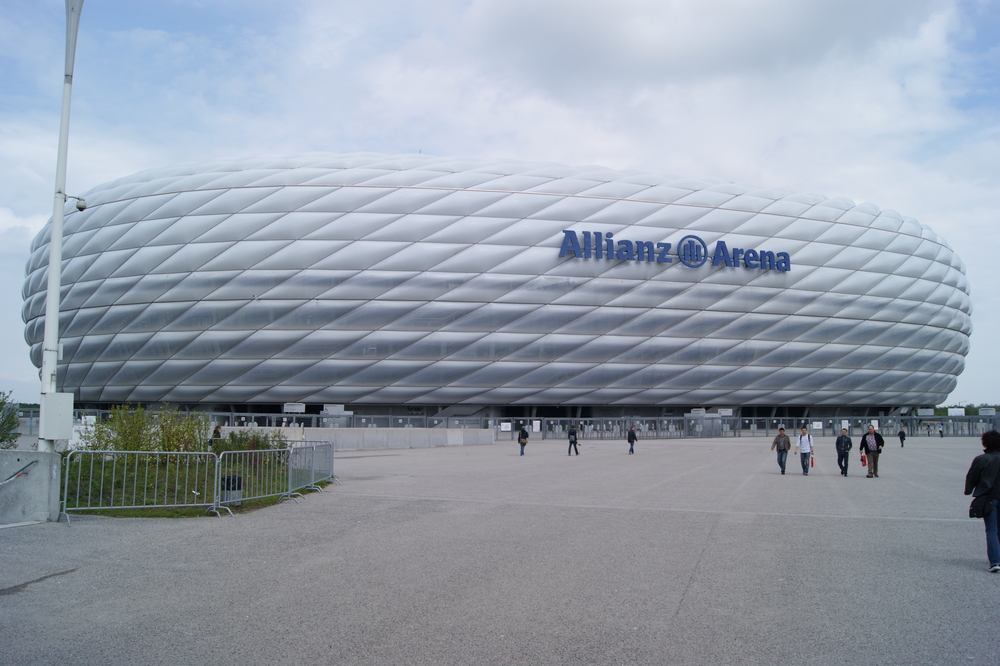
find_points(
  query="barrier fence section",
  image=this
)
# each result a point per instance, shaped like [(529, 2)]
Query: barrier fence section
[(309, 464), (302, 466), (138, 479), (247, 475), (155, 479)]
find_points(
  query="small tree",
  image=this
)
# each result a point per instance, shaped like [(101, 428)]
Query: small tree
[(249, 440), (127, 428), (178, 431), (9, 422)]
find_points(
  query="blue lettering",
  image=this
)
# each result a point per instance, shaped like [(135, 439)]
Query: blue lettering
[(644, 251), (662, 256), (691, 251), (721, 255), (625, 251), (571, 244)]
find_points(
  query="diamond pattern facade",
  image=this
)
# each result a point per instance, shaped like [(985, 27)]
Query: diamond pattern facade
[(374, 279)]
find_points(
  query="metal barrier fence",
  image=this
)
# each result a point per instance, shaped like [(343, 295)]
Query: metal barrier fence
[(134, 479), (734, 426), (95, 480), (708, 425)]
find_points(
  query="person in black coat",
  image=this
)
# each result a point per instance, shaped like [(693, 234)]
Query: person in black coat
[(902, 437), (844, 446), (631, 440), (522, 438), (981, 479), (572, 441), (871, 444)]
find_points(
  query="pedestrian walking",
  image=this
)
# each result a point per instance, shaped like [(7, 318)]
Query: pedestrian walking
[(572, 441), (782, 445), (631, 440), (844, 445), (902, 437), (980, 481), (805, 448), (871, 444), (522, 438)]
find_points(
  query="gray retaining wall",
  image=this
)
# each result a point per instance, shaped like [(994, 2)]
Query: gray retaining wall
[(33, 496)]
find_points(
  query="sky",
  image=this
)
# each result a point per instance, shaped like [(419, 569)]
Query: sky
[(888, 102)]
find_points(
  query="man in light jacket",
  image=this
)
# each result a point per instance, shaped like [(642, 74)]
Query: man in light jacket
[(805, 448)]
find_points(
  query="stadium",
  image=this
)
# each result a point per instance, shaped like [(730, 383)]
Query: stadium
[(433, 285)]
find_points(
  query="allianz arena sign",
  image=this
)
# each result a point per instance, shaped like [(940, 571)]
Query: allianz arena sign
[(692, 252), (374, 279)]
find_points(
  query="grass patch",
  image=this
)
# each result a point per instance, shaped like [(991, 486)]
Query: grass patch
[(247, 506)]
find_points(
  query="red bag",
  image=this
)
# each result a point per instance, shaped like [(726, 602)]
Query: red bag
[(864, 460), (812, 461)]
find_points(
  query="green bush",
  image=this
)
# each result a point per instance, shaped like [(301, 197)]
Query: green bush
[(249, 440), (132, 428), (9, 423)]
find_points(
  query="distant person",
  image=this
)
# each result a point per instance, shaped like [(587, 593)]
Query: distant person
[(217, 433), (871, 444), (844, 445), (782, 445), (631, 440), (941, 430), (572, 441), (982, 480), (522, 438), (902, 437)]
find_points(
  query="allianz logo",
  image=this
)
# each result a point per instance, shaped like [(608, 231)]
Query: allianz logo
[(691, 251)]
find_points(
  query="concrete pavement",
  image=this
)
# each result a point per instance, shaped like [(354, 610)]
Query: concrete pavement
[(689, 552)]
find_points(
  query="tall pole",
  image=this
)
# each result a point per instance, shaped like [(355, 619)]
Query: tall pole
[(50, 344)]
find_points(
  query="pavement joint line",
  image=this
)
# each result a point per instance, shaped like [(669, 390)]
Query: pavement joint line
[(657, 509)]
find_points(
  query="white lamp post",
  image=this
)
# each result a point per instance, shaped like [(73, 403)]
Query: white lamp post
[(56, 416)]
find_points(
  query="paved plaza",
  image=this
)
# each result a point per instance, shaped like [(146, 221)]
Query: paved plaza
[(689, 552)]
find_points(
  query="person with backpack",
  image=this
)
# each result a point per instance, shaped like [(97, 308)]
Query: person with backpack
[(805, 448), (572, 441)]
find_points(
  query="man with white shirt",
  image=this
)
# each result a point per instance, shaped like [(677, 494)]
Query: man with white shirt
[(805, 447)]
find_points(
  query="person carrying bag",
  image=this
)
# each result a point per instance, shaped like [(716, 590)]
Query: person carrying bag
[(982, 483), (522, 438)]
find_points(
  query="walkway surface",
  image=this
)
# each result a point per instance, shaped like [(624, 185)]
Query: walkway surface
[(689, 552)]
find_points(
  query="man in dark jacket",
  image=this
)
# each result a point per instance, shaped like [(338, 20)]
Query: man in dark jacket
[(871, 444), (980, 480), (844, 445), (631, 440), (782, 445)]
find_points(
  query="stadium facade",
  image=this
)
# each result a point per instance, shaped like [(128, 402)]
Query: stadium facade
[(410, 282)]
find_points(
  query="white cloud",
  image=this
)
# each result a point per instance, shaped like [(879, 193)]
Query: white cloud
[(882, 101)]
